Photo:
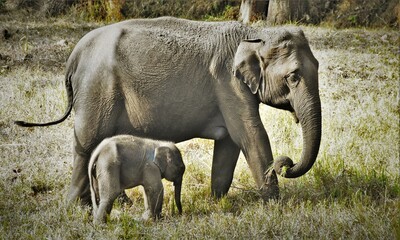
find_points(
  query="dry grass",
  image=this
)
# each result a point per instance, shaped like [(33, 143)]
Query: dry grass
[(352, 191)]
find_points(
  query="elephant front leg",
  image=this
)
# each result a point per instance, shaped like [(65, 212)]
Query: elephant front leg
[(225, 157), (259, 157), (270, 188), (153, 198), (253, 140)]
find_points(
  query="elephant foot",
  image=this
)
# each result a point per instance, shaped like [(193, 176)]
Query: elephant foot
[(270, 189), (146, 216), (219, 192), (76, 197), (123, 199)]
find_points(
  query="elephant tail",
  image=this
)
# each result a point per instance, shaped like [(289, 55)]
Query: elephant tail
[(69, 89)]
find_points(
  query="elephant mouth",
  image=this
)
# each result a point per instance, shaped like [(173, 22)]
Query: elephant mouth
[(294, 115)]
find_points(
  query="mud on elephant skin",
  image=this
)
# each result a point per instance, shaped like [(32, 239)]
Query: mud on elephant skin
[(175, 79), (125, 161)]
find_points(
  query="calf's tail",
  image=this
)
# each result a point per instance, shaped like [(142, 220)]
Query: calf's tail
[(93, 181)]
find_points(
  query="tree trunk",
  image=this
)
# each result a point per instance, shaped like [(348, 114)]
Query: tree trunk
[(251, 10), (283, 11)]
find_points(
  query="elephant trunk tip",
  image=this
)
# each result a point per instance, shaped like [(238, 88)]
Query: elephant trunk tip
[(282, 165), (178, 187)]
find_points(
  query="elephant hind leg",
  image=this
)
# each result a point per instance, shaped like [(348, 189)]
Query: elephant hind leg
[(79, 187), (90, 129), (109, 188), (105, 207), (226, 154)]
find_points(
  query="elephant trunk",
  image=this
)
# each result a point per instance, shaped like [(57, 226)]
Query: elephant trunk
[(309, 112), (178, 188)]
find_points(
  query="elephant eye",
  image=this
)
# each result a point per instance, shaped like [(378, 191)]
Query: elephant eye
[(292, 79)]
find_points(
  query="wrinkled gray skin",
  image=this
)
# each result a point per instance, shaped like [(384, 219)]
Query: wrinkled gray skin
[(123, 162), (175, 79)]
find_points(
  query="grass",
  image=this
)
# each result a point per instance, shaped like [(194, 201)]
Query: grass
[(352, 192)]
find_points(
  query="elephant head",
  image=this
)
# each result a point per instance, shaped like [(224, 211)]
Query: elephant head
[(283, 73), (172, 168)]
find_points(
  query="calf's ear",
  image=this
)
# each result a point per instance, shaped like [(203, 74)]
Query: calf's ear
[(162, 157)]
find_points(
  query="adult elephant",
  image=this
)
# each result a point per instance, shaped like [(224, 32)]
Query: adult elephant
[(175, 79)]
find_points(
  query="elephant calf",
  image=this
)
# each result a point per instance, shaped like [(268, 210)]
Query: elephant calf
[(125, 161)]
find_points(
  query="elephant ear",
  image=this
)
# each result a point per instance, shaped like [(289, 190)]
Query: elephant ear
[(162, 157), (247, 63)]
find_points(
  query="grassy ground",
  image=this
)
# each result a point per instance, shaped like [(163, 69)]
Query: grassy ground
[(353, 190)]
